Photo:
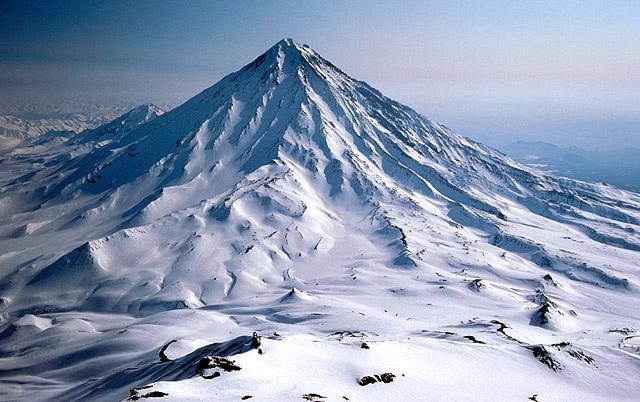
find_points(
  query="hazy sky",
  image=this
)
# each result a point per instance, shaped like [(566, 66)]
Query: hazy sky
[(561, 71)]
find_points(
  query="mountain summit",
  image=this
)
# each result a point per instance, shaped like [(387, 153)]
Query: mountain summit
[(292, 198)]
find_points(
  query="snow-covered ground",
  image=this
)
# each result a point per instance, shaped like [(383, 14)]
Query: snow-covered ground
[(376, 254)]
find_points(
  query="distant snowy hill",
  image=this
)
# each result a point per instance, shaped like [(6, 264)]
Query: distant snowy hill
[(619, 167), (379, 255)]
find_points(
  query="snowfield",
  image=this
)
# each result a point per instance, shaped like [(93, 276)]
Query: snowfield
[(376, 254)]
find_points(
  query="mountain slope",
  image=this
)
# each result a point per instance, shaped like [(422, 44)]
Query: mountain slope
[(291, 198)]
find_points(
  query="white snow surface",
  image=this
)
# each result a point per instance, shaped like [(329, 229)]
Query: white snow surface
[(292, 200)]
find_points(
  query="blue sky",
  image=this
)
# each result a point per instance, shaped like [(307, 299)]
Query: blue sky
[(561, 71)]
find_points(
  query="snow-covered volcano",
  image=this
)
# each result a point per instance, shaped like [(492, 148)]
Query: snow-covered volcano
[(292, 199)]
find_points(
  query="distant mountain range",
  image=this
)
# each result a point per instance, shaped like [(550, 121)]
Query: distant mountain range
[(618, 167), (25, 122)]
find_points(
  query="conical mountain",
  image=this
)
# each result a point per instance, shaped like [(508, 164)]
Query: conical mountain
[(289, 174), (292, 142)]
